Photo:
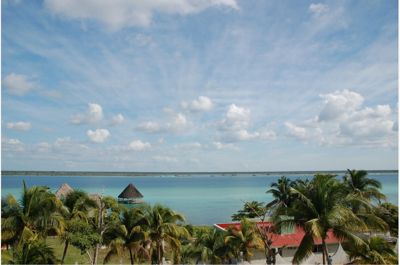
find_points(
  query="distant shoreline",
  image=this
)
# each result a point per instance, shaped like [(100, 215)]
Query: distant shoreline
[(102, 173)]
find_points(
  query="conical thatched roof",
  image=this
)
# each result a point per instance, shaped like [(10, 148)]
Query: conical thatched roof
[(63, 190), (130, 192)]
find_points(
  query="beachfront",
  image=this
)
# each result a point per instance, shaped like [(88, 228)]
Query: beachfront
[(343, 220)]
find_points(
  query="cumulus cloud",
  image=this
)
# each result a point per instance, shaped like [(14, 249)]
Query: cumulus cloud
[(149, 126), (17, 84), (340, 103), (11, 145), (318, 9), (117, 119), (201, 104), (138, 145), (235, 126), (19, 126), (98, 135), (93, 114), (344, 120), (121, 13)]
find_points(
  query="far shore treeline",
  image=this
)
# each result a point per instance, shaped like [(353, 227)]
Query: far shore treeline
[(42, 228), (148, 173)]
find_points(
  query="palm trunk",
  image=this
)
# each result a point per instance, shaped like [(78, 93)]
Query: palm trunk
[(131, 256), (324, 252), (65, 251), (96, 254)]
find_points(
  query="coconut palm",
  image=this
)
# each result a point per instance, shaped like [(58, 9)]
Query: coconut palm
[(38, 212), (319, 207), (250, 210), (281, 192), (129, 235), (164, 229), (77, 205), (31, 249), (357, 181), (209, 246), (244, 240), (375, 251)]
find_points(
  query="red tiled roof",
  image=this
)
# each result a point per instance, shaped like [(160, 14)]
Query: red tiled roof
[(287, 240)]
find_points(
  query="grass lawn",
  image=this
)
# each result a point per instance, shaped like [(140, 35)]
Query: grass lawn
[(74, 254)]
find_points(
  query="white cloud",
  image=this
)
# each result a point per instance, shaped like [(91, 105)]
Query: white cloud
[(344, 120), (138, 145), (117, 119), (168, 159), (201, 104), (339, 103), (318, 9), (19, 126), (149, 126), (11, 145), (220, 145), (98, 136), (17, 84), (94, 114), (296, 131), (118, 14)]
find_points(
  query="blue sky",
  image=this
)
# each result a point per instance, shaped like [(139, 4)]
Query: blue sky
[(210, 85)]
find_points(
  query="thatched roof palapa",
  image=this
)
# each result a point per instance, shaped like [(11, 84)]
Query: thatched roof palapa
[(63, 191), (130, 192)]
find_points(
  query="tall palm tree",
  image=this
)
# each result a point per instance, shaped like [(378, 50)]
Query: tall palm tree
[(38, 212), (209, 246), (375, 251), (357, 181), (281, 192), (77, 205), (244, 240), (31, 249), (129, 234), (320, 207), (164, 229)]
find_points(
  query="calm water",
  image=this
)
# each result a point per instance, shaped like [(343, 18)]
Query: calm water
[(202, 199)]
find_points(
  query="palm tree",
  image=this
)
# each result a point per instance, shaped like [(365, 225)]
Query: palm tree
[(209, 246), (164, 229), (38, 212), (129, 234), (244, 239), (320, 207), (357, 181), (31, 250), (77, 205), (375, 251), (250, 210), (281, 192)]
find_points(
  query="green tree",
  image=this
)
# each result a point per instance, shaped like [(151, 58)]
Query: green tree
[(38, 211), (282, 194), (244, 240), (375, 251), (106, 215), (210, 247), (389, 213), (164, 229), (251, 209), (358, 182), (129, 234), (31, 249), (321, 206), (77, 205)]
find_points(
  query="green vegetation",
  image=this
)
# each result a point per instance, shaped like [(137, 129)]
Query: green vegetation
[(43, 229)]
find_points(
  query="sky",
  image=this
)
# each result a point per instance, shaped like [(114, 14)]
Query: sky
[(199, 85)]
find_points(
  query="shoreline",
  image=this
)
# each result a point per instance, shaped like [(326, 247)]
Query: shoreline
[(155, 174)]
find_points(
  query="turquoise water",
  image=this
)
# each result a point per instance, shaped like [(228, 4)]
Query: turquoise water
[(203, 199)]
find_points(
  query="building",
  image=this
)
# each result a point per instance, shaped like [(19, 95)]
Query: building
[(130, 195), (286, 242)]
